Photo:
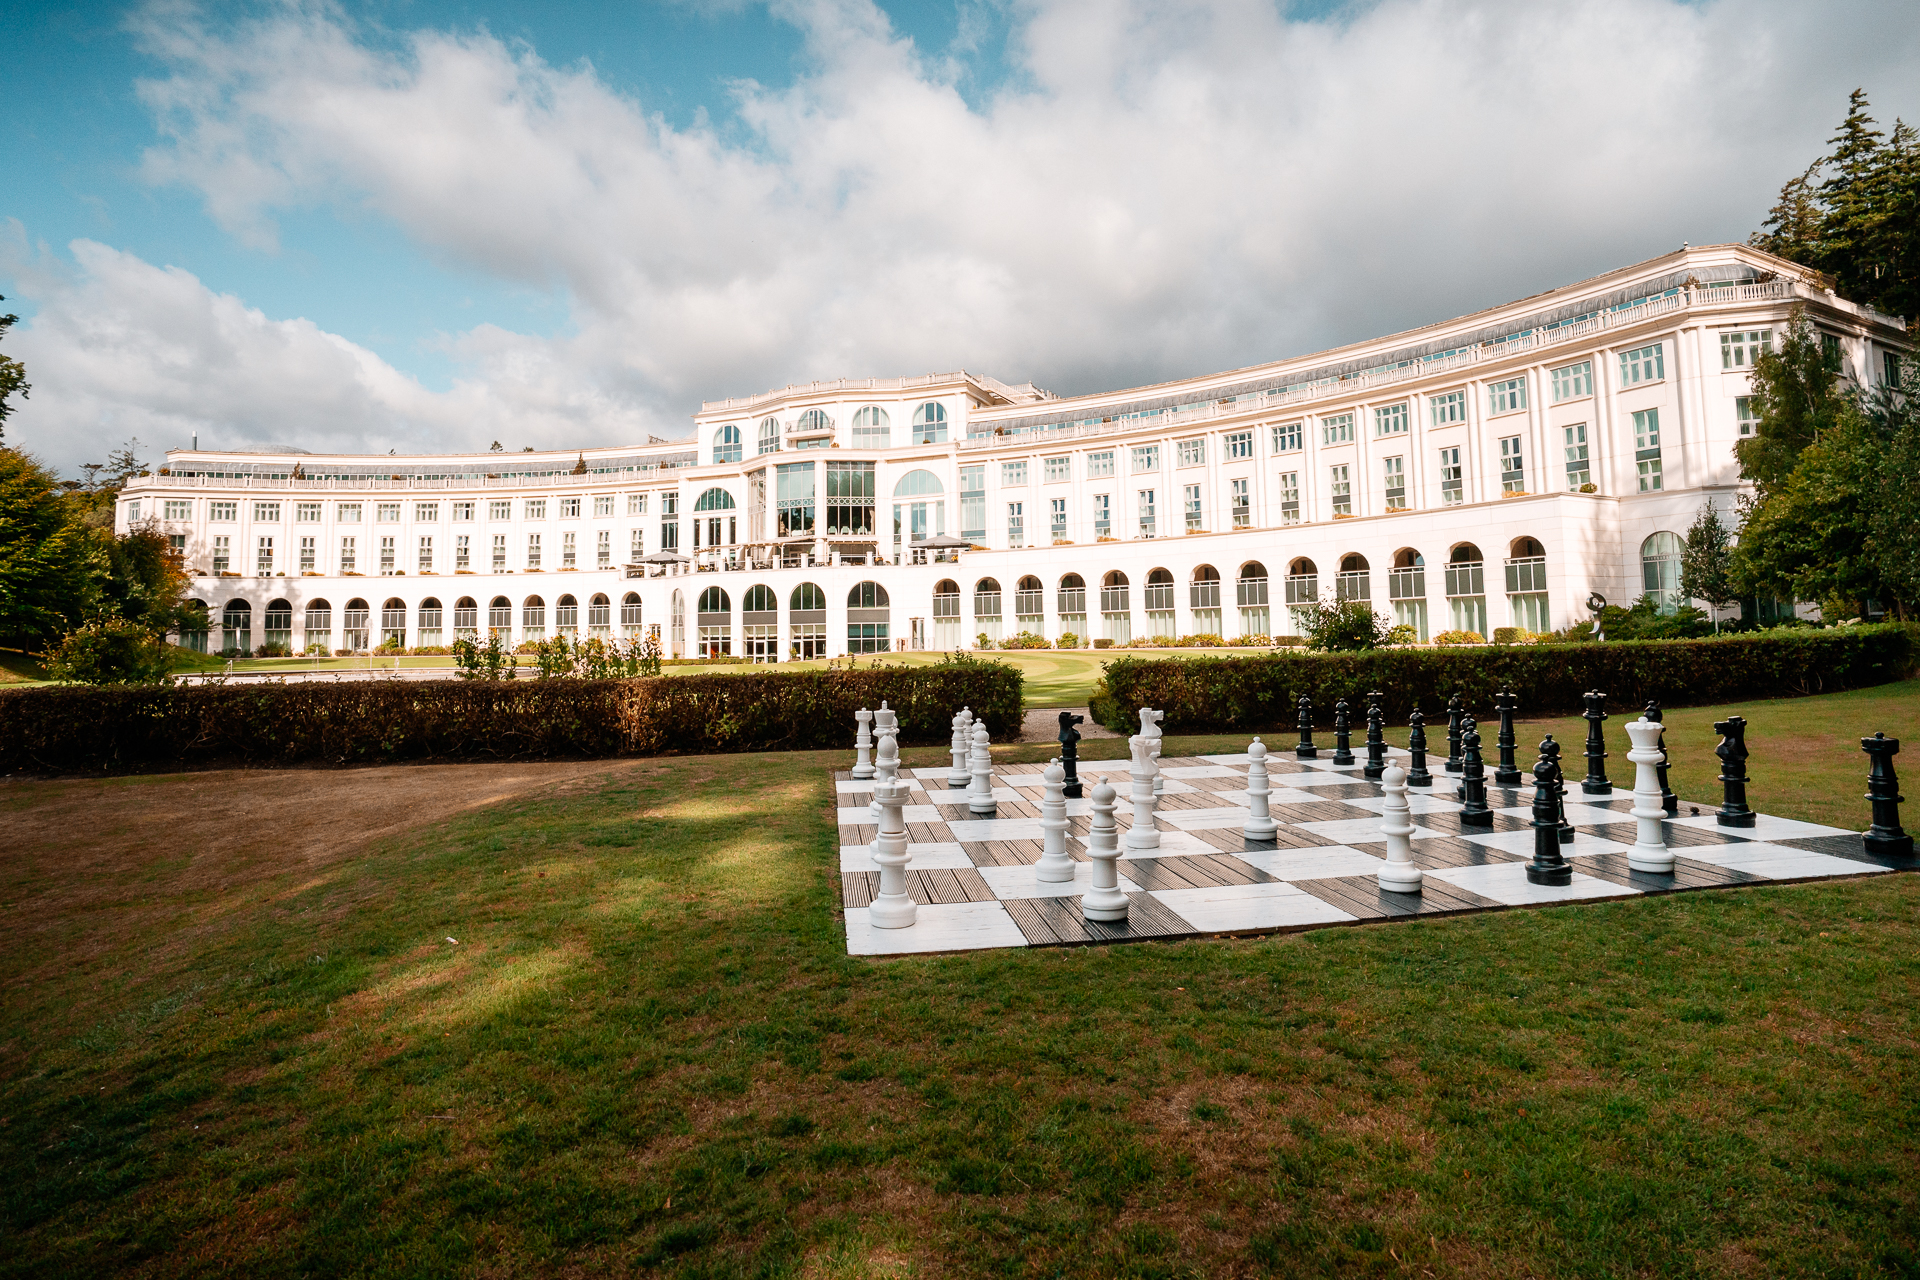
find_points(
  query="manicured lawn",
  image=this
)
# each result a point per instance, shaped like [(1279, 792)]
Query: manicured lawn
[(647, 1051)]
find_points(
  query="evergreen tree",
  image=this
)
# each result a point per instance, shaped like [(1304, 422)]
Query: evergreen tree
[(1796, 396), (1794, 221), (47, 558), (13, 375), (1706, 565)]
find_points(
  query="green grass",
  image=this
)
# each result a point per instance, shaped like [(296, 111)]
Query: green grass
[(648, 1051), (20, 668)]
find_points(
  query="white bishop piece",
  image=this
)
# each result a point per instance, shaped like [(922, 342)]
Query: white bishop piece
[(1104, 901), (1145, 768), (1649, 852), (892, 908), (1054, 867), (980, 794), (1398, 872), (1260, 823), (959, 774)]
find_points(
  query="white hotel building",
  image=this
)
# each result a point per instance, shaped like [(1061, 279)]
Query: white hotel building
[(1488, 471)]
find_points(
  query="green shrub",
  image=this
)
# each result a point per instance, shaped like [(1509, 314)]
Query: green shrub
[(1459, 637), (1401, 633), (1025, 640), (275, 650), (1250, 642), (1067, 640), (1644, 621), (1510, 635), (1343, 626), (1202, 640), (1259, 692), (1103, 642), (109, 651)]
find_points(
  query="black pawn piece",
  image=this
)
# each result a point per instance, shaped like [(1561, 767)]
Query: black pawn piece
[(1305, 748), (1596, 783), (1548, 865), (1342, 734), (1733, 773), (1668, 801), (1456, 709), (1070, 752), (1506, 773), (1473, 779), (1376, 739), (1885, 839), (1417, 775)]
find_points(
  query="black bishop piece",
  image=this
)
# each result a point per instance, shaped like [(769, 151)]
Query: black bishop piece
[(1473, 779), (1456, 709)]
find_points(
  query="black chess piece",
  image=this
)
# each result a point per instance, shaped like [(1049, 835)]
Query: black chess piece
[(1305, 749), (1417, 775), (1668, 801), (1885, 838), (1549, 866), (1506, 773), (1560, 789), (1070, 752), (1733, 773), (1473, 778), (1596, 782), (1376, 739), (1342, 734), (1455, 710)]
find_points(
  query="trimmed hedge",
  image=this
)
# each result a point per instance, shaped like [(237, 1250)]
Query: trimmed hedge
[(66, 730), (1263, 692)]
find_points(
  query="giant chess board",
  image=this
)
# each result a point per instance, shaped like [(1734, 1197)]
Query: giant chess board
[(973, 878)]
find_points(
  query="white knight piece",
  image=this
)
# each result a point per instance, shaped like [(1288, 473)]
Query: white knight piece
[(1144, 770)]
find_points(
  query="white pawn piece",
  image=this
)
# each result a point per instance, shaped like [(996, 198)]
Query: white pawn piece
[(980, 794), (886, 766), (959, 775), (1104, 901), (1150, 728), (1143, 834), (1649, 852), (892, 908), (1260, 825), (1398, 872), (863, 744), (1054, 867)]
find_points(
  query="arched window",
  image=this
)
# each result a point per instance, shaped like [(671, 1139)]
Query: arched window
[(1072, 598), (500, 617), (319, 628), (769, 435), (918, 483), (715, 600), (277, 624), (1526, 548), (714, 500), (867, 595), (1407, 589), (1159, 590), (194, 624), (1527, 585), (1250, 586), (1660, 570), (1353, 582), (812, 422), (1204, 596), (630, 613), (946, 599), (760, 600), (726, 444), (1113, 593), (429, 623), (986, 598), (466, 618), (393, 623), (1303, 583), (354, 629), (599, 615), (930, 424), (867, 618), (566, 616), (760, 624), (533, 618), (714, 620), (1029, 603), (805, 597), (872, 429)]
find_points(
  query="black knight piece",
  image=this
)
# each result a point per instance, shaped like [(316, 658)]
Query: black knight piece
[(1668, 801), (1596, 782), (1305, 749), (1885, 838), (1733, 773), (1549, 866), (1473, 779), (1455, 710), (1342, 734), (1506, 773), (1417, 775), (1070, 752), (1376, 739)]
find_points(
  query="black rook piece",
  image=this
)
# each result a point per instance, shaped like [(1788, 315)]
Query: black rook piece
[(1733, 773), (1595, 783), (1305, 748), (1455, 710), (1342, 734), (1070, 751), (1417, 775), (1507, 773), (1885, 838), (1552, 748), (1376, 739), (1548, 866), (1668, 801), (1473, 779)]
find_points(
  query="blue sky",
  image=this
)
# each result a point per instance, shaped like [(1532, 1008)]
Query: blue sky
[(422, 225)]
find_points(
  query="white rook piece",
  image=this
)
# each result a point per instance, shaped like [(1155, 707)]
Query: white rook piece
[(892, 908), (1150, 728), (1649, 852), (1260, 825), (959, 775), (980, 794), (1054, 867), (1398, 873), (1143, 834), (1104, 901), (887, 768), (863, 745)]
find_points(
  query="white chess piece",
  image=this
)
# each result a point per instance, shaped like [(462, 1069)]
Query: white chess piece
[(1150, 729), (959, 775), (1143, 834), (1260, 823), (863, 744), (886, 767), (1649, 852), (1054, 867), (980, 794), (1104, 901), (892, 908), (1398, 872)]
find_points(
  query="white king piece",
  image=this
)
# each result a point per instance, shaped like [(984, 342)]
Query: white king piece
[(1649, 852), (886, 728), (892, 908), (1144, 769)]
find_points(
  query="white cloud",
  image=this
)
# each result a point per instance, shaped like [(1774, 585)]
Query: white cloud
[(1165, 188)]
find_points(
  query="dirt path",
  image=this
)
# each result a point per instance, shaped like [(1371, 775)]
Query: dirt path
[(1042, 724)]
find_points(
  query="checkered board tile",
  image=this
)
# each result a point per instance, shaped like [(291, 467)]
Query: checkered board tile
[(974, 881)]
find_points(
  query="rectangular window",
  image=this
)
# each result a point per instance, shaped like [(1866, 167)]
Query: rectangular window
[(1740, 350), (223, 511), (463, 512), (603, 546), (1743, 413), (425, 561), (669, 522), (499, 553), (179, 510), (569, 508), (1390, 420), (1242, 504), (1239, 444), (1447, 407), (1337, 429), (1646, 450), (304, 512), (1286, 437), (536, 509), (1453, 487), (1513, 470), (427, 512), (388, 556), (1100, 464), (1508, 396), (263, 565), (1057, 517), (533, 551), (851, 487), (462, 553), (1578, 472), (1394, 476), (793, 495), (1290, 497), (500, 510), (1013, 474), (347, 554), (1890, 368), (309, 554), (602, 504), (223, 551), (387, 512), (133, 512), (636, 544), (345, 513), (1191, 499), (1016, 524), (1643, 364), (1057, 469), (1144, 502), (1573, 381), (1102, 515), (568, 550), (1342, 490), (636, 504), (1192, 453), (973, 502), (267, 512), (1146, 457)]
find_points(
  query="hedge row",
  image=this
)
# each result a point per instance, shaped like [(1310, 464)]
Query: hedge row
[(134, 729), (1263, 692)]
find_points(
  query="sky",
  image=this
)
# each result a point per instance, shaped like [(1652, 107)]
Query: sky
[(434, 224)]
